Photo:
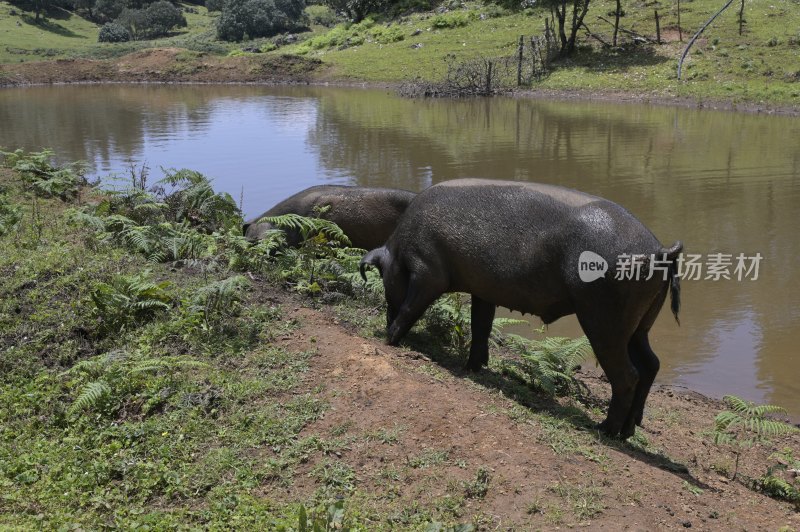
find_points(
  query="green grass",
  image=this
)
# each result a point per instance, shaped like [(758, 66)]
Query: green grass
[(761, 64), (63, 34), (162, 422), (22, 39)]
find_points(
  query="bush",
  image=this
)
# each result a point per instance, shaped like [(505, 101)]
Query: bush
[(454, 19), (345, 35), (321, 15), (259, 18), (215, 5), (152, 22), (162, 17), (113, 32)]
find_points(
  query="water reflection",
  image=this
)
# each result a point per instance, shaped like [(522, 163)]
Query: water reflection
[(722, 182)]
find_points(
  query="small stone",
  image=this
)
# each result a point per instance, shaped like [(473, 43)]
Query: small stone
[(687, 524)]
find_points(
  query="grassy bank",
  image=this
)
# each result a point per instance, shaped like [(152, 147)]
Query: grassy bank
[(157, 371), (761, 66)]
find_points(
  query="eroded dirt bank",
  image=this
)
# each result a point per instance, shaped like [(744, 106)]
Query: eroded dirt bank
[(163, 65), (434, 428)]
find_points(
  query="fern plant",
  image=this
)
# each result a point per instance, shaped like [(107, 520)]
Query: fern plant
[(40, 175), (311, 265), (128, 301), (117, 378), (782, 480), (10, 215), (551, 363), (745, 425), (219, 301), (194, 201)]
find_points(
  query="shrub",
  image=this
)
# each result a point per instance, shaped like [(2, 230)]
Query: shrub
[(321, 15), (454, 19), (152, 22), (345, 35), (162, 17), (135, 21), (109, 9), (113, 32), (258, 18), (215, 5)]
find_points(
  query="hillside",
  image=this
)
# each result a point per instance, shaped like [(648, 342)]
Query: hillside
[(156, 374), (759, 67)]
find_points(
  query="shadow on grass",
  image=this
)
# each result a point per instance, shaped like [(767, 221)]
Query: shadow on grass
[(500, 376), (48, 25), (613, 60)]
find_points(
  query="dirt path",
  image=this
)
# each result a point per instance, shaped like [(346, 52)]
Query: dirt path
[(419, 434)]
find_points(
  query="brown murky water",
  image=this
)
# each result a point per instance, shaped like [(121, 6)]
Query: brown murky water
[(722, 182)]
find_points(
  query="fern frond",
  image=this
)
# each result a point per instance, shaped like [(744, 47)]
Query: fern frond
[(166, 363), (90, 395), (737, 404)]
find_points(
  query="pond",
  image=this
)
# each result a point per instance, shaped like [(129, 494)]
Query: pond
[(723, 182)]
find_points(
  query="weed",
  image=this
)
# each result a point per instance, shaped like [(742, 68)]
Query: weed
[(691, 488), (535, 507), (386, 436), (586, 500), (337, 477), (428, 458), (479, 487)]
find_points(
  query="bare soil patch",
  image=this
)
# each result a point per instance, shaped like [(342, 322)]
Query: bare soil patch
[(163, 65), (418, 434)]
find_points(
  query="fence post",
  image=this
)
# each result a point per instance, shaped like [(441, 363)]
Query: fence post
[(519, 60), (658, 29), (741, 17)]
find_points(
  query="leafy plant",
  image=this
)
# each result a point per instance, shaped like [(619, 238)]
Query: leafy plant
[(128, 301), (746, 425), (478, 488), (331, 519), (10, 215), (551, 363), (314, 262), (118, 377), (782, 480), (193, 200), (450, 316), (219, 301), (39, 174)]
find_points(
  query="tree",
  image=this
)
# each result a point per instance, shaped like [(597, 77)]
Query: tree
[(156, 20), (108, 9), (113, 32), (560, 9), (356, 10), (258, 18), (162, 17)]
